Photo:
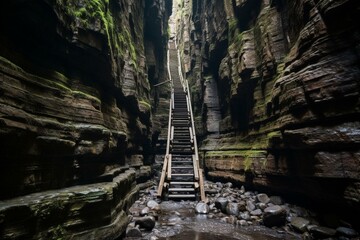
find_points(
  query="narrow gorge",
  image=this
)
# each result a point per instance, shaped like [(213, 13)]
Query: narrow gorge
[(85, 91)]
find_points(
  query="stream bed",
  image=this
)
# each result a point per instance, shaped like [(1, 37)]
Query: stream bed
[(230, 213), (178, 220)]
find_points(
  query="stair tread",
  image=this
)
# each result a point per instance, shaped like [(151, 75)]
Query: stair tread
[(182, 183), (182, 174), (182, 167), (181, 196), (181, 189)]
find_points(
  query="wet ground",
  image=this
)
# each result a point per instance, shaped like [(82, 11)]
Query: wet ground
[(230, 213), (178, 221)]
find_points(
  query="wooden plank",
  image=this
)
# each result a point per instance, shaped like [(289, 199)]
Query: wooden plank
[(169, 168), (201, 183), (191, 135), (162, 178), (172, 133), (159, 84), (181, 189), (182, 183), (181, 196), (196, 170)]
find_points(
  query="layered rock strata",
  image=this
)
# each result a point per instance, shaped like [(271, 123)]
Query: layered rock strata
[(76, 97), (287, 76), (95, 211)]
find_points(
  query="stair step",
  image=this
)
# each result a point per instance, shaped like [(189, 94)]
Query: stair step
[(181, 189), (182, 174), (182, 183), (181, 196), (181, 141), (187, 159), (182, 144), (183, 167), (181, 162), (181, 151)]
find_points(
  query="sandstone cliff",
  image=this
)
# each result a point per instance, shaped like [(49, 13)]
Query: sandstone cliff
[(283, 79), (76, 102)]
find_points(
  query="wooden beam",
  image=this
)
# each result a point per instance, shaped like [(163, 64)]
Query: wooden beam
[(201, 183), (196, 169), (156, 85), (162, 178), (169, 167)]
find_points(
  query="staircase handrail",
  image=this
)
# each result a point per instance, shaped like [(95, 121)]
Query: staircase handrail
[(166, 158)]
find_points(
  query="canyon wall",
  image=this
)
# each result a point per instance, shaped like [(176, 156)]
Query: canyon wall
[(76, 96), (275, 87)]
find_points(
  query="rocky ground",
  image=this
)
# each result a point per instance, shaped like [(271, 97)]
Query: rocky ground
[(230, 213)]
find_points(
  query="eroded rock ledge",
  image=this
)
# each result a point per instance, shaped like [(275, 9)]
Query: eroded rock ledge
[(95, 211)]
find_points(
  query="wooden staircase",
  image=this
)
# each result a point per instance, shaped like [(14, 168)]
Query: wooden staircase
[(181, 176)]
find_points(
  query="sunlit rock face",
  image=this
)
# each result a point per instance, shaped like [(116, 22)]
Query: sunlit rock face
[(287, 80), (76, 107)]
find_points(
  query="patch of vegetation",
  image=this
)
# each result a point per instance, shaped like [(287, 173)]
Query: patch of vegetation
[(232, 28), (274, 134), (9, 64), (145, 104), (95, 12), (247, 156), (85, 95), (124, 41), (49, 209), (56, 233)]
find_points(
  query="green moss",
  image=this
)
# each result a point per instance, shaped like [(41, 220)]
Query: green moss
[(145, 104), (57, 233), (241, 153), (85, 95), (247, 155), (247, 163), (232, 28), (89, 13), (10, 65), (124, 41), (274, 134)]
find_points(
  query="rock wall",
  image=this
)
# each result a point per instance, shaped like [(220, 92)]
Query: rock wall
[(95, 211), (76, 96), (287, 76)]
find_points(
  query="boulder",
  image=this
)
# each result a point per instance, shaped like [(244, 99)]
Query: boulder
[(152, 204), (347, 232), (322, 232), (299, 224), (242, 206), (245, 216), (274, 216), (133, 232), (250, 206), (147, 222), (262, 206), (277, 200), (231, 220), (221, 203), (202, 208), (242, 223), (145, 211), (263, 198), (256, 212), (232, 209), (242, 190)]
